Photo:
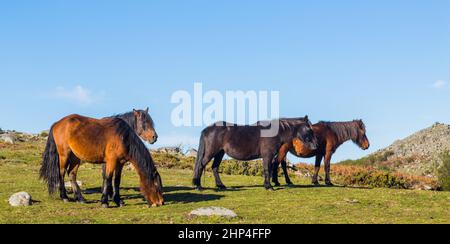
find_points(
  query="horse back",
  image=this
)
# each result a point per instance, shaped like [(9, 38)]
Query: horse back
[(88, 138)]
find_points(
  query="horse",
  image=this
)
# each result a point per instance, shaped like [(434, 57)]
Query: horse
[(245, 142), (330, 135), (142, 123), (109, 141)]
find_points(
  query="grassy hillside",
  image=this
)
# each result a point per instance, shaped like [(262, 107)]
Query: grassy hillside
[(300, 204)]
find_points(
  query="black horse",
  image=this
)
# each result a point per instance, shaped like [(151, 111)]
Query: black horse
[(248, 143)]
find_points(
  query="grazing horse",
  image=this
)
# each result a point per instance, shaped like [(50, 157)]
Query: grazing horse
[(109, 141), (142, 123), (330, 135), (247, 143)]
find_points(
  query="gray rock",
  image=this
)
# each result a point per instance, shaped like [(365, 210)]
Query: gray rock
[(191, 153), (20, 199), (169, 150), (8, 138), (214, 211)]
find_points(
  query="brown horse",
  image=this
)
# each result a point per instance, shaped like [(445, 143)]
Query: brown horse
[(109, 141), (247, 143), (330, 135), (142, 123)]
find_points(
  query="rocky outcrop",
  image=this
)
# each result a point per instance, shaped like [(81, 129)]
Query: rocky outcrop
[(191, 153), (418, 154), (169, 150)]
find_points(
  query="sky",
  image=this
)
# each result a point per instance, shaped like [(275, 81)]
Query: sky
[(386, 62)]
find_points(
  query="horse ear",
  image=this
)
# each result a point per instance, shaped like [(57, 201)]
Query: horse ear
[(147, 110), (306, 117)]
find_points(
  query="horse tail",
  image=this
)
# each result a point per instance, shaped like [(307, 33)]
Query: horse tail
[(199, 162), (49, 171)]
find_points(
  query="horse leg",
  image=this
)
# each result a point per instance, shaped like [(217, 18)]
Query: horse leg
[(199, 171), (110, 189), (275, 167), (63, 163), (107, 182), (73, 170), (286, 173), (215, 168), (267, 163), (315, 179), (328, 169), (117, 179)]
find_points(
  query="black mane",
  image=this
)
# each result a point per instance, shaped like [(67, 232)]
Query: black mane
[(137, 150), (344, 130), (131, 119)]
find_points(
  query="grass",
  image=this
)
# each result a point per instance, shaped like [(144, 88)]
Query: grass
[(299, 204)]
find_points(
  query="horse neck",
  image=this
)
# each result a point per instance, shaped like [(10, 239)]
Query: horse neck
[(344, 133), (286, 134), (129, 118)]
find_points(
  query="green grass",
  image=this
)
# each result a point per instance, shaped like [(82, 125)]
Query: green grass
[(19, 166)]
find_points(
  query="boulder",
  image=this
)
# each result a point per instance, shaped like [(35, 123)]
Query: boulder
[(191, 153), (213, 211), (8, 138), (20, 199), (169, 150)]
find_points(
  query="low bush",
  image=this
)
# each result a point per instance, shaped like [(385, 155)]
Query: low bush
[(444, 172)]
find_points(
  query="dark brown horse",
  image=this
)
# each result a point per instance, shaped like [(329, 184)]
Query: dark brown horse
[(330, 135), (247, 143), (109, 141)]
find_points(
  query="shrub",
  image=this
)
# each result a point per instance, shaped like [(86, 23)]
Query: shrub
[(444, 172)]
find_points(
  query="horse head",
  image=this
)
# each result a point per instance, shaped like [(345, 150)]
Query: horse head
[(144, 126)]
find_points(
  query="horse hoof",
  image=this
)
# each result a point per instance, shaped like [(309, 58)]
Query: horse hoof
[(120, 204), (277, 184), (82, 201), (329, 184), (270, 188), (104, 205), (221, 188), (315, 183), (66, 200), (199, 188), (289, 184)]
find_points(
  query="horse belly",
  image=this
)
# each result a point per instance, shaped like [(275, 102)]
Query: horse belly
[(241, 152), (88, 149), (301, 150)]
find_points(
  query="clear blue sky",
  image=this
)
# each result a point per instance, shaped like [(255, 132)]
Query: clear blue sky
[(387, 62)]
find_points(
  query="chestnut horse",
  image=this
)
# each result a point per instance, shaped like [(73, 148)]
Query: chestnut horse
[(247, 143), (330, 135), (141, 122), (109, 141)]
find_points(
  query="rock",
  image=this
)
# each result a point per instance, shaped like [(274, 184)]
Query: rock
[(8, 138), (427, 188), (214, 211), (191, 153), (352, 201), (169, 150), (68, 185), (20, 199)]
